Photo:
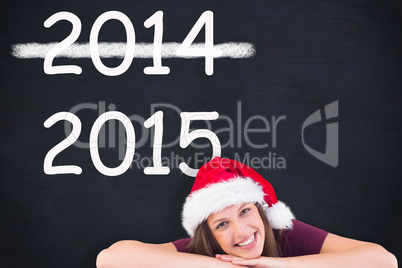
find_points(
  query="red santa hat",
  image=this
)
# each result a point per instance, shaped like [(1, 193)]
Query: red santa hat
[(223, 182)]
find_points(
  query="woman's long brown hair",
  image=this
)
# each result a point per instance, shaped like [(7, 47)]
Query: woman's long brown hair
[(204, 243)]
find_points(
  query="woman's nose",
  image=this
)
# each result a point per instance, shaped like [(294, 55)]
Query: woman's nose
[(239, 229)]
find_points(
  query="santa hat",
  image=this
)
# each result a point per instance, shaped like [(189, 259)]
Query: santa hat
[(223, 182)]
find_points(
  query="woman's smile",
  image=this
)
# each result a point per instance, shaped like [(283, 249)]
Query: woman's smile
[(248, 242)]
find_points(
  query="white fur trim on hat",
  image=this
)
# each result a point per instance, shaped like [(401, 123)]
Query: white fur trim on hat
[(216, 197)]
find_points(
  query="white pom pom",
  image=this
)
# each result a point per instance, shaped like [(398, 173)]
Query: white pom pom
[(280, 216)]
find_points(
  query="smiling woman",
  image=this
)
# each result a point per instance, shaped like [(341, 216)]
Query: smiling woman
[(240, 230), (223, 232), (234, 219)]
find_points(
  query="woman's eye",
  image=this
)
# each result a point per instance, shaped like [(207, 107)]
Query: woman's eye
[(244, 211), (221, 225)]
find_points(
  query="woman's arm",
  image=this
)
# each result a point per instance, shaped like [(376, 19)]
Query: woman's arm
[(362, 254), (136, 254), (336, 252), (339, 251)]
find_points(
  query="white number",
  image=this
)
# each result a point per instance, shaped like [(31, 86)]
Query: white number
[(208, 52), (157, 20), (68, 141), (94, 48), (130, 146), (186, 137), (187, 48), (157, 121), (75, 33)]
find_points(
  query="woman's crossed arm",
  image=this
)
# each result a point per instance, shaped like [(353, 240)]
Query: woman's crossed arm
[(132, 254)]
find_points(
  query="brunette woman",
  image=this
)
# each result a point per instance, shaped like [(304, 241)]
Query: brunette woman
[(234, 219)]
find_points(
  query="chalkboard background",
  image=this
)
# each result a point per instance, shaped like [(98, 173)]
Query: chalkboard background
[(308, 54)]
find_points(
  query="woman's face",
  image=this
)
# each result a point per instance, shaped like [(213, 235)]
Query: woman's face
[(239, 230)]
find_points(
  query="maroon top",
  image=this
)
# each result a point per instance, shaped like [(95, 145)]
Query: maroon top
[(303, 239)]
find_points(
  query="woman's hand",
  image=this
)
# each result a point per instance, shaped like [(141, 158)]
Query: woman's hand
[(261, 262)]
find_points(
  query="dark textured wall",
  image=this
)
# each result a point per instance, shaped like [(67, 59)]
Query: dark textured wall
[(308, 54)]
